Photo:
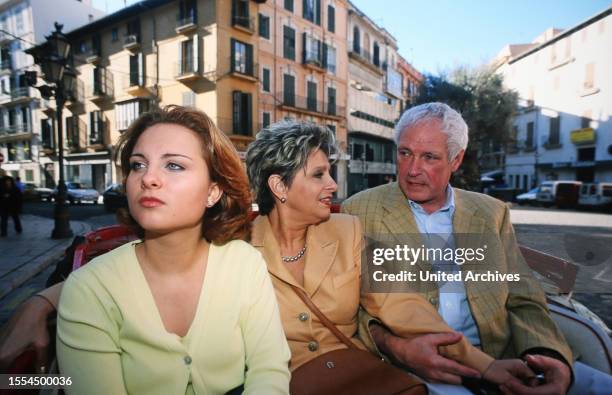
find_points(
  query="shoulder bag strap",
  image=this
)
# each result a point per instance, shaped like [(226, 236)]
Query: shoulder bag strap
[(324, 320)]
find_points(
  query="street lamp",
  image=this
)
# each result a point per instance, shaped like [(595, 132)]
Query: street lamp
[(52, 57)]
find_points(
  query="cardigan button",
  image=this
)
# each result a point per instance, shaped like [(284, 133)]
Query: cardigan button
[(187, 360), (313, 346), (303, 317)]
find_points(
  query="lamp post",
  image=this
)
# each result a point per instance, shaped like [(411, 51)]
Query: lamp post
[(52, 57)]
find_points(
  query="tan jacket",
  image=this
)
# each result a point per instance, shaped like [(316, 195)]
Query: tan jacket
[(512, 318)]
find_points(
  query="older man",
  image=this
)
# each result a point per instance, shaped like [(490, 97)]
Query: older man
[(505, 321)]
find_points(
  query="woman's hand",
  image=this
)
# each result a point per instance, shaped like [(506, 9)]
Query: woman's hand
[(502, 371), (27, 329)]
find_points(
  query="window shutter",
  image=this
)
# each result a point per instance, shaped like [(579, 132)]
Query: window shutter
[(249, 114), (317, 12), (236, 96), (196, 53), (141, 74), (304, 48), (324, 56), (331, 18), (233, 59), (319, 53), (249, 59), (180, 68)]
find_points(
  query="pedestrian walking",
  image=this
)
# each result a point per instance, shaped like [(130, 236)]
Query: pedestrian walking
[(10, 204)]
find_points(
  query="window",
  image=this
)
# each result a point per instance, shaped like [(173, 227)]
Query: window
[(46, 132), (114, 34), (186, 57), (289, 90), (265, 80), (189, 99), (585, 121), (265, 120), (331, 18), (529, 139), (242, 57), (329, 58), (311, 50), (136, 70), (187, 12), (96, 127), (289, 5), (589, 76), (98, 78), (241, 113), (127, 112), (555, 126), (72, 131), (311, 10), (29, 175), (19, 21), (356, 40), (311, 96), (264, 26), (525, 181), (96, 44), (240, 13), (288, 43), (376, 55), (331, 100)]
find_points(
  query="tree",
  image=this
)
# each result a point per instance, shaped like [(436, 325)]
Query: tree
[(488, 109)]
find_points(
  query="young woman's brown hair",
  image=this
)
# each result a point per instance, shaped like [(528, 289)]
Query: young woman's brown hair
[(229, 218)]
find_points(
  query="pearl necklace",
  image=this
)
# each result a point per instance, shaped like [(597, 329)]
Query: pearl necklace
[(290, 259)]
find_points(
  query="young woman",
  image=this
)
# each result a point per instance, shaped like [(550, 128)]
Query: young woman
[(189, 308)]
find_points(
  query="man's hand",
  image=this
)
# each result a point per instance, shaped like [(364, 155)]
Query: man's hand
[(421, 355), (557, 377), (502, 371), (26, 329)]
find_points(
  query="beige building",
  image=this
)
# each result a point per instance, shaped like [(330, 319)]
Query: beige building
[(412, 80), (375, 98), (199, 53), (303, 67)]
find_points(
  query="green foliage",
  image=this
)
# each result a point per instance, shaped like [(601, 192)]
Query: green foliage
[(488, 109)]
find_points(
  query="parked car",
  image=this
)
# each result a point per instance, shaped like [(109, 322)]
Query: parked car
[(114, 197), (45, 194), (34, 193), (563, 194), (77, 193), (528, 197), (596, 195)]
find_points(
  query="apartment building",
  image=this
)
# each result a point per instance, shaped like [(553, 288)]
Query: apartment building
[(563, 129), (412, 80), (199, 53), (375, 97), (303, 67), (22, 24)]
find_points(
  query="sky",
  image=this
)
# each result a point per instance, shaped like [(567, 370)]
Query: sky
[(438, 35)]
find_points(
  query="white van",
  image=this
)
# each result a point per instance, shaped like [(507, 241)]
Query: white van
[(598, 194), (560, 193)]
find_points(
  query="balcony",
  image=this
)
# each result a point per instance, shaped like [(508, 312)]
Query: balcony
[(186, 24), (364, 57), (10, 132), (186, 71), (6, 67), (99, 93), (134, 85), (93, 56), (313, 60), (131, 42), (17, 95), (244, 23), (310, 106), (5, 38), (76, 97), (244, 70), (76, 134)]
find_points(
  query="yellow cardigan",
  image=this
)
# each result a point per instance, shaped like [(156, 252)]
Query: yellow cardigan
[(111, 339)]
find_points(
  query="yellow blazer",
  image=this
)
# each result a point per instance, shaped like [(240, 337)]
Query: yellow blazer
[(331, 279), (511, 318)]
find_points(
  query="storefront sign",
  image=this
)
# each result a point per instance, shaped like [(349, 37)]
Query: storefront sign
[(582, 136)]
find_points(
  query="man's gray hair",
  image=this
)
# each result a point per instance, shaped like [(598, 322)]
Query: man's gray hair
[(283, 148), (453, 124)]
